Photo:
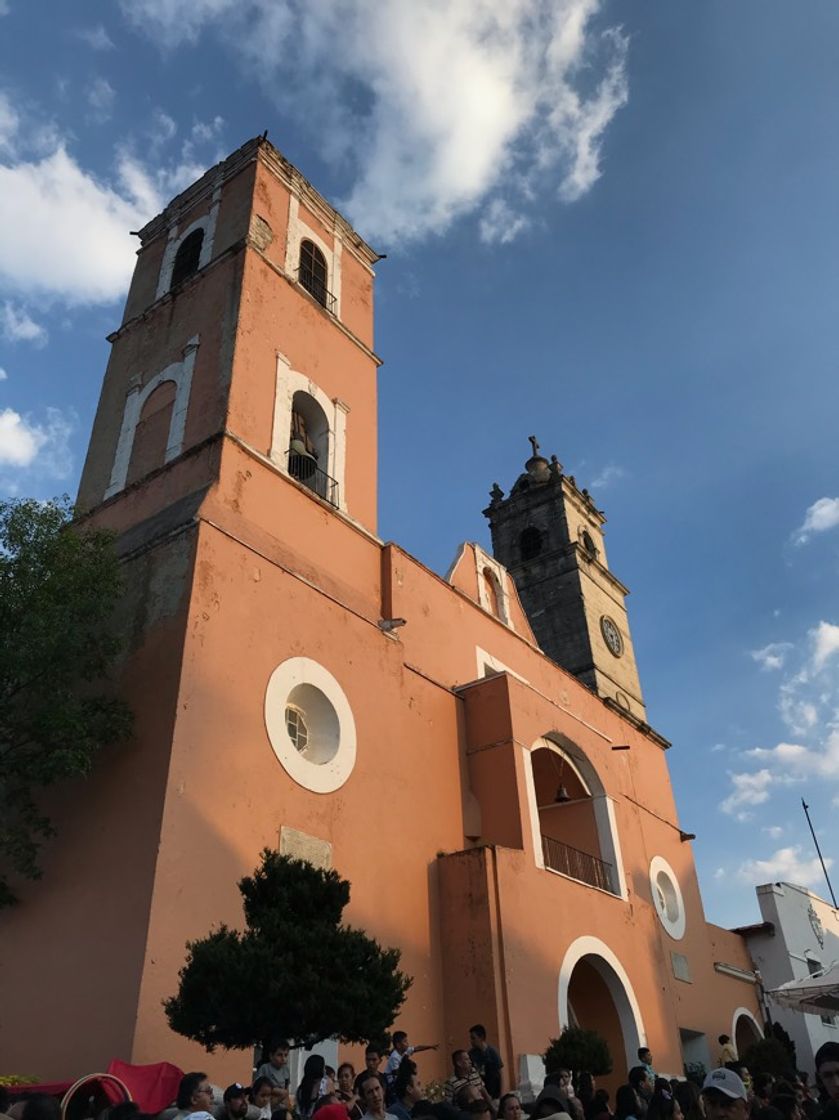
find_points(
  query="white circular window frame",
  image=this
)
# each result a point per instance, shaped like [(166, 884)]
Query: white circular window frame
[(323, 777), (674, 926)]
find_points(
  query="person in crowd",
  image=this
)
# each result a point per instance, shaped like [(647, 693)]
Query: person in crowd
[(599, 1107), (645, 1059), (724, 1096), (477, 1110), (785, 1101), (373, 1098), (639, 1079), (762, 1089), (627, 1103), (313, 1086), (345, 1090), (195, 1094), (745, 1076), (39, 1106), (585, 1088), (827, 1072), (728, 1051), (664, 1106), (553, 1100), (401, 1049), (407, 1090), (687, 1094), (486, 1060), (276, 1068), (372, 1061), (260, 1097), (463, 1074), (509, 1107), (234, 1103), (331, 1110)]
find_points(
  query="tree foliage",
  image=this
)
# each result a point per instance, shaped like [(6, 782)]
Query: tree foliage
[(295, 971), (58, 591), (578, 1049), (769, 1055)]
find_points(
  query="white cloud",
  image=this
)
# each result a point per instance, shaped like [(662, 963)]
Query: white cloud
[(3, 375), (100, 96), (16, 325), (800, 761), (500, 223), (207, 130), (772, 656), (773, 831), (747, 789), (717, 747), (610, 473), (784, 865), (162, 130), (4, 7), (825, 641), (821, 516), (96, 37), (530, 88), (42, 446)]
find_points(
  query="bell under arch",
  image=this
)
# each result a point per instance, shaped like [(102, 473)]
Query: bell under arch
[(574, 825)]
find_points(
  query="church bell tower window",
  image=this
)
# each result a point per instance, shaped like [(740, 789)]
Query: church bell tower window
[(312, 273), (187, 257)]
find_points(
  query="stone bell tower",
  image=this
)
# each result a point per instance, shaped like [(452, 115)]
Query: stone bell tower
[(549, 536)]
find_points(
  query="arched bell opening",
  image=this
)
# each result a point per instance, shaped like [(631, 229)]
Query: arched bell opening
[(308, 452), (576, 825)]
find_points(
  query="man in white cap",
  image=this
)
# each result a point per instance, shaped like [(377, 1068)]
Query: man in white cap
[(725, 1096)]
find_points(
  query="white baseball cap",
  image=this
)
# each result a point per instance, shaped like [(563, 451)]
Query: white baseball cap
[(727, 1081)]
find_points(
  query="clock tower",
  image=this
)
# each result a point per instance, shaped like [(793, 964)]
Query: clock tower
[(549, 535)]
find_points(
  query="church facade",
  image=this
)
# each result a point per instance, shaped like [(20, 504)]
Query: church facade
[(471, 752)]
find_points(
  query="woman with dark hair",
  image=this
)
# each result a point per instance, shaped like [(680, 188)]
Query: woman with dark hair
[(310, 1088), (509, 1107), (585, 1090), (687, 1094), (664, 1106), (627, 1105)]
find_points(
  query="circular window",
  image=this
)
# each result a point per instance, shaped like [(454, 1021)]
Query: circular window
[(588, 544), (611, 635), (667, 897), (310, 724)]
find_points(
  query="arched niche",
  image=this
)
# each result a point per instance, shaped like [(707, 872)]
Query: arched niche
[(151, 436), (574, 825)]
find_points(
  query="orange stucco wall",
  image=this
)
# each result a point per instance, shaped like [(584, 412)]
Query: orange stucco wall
[(237, 567)]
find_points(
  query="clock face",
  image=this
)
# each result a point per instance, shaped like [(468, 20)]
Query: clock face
[(611, 635)]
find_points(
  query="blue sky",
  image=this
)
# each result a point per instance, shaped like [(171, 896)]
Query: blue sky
[(613, 225)]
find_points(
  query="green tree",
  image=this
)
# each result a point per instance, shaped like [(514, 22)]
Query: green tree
[(769, 1055), (58, 591), (578, 1049), (295, 971)]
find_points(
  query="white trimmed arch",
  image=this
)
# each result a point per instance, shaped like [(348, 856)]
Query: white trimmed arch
[(177, 236), (181, 374), (603, 805), (289, 382), (744, 1013), (598, 954)]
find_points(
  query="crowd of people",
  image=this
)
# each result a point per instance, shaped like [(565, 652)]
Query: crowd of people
[(474, 1091)]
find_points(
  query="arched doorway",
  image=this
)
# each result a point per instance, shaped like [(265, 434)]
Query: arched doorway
[(745, 1030), (595, 993)]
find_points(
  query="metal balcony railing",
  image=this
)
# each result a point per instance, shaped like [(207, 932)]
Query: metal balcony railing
[(578, 865), (318, 289), (306, 470)]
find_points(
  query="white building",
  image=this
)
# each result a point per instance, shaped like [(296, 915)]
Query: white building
[(797, 937)]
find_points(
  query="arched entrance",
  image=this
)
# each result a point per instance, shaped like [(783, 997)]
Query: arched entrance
[(745, 1030), (595, 993)]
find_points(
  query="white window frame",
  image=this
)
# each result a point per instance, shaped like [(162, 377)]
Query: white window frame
[(181, 374), (178, 235), (289, 382), (298, 231)]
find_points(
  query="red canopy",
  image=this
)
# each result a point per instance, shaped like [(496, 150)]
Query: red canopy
[(153, 1087)]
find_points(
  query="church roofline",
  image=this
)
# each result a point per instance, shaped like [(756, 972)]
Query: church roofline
[(259, 148)]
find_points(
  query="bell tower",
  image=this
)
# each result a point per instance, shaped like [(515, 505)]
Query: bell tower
[(549, 535)]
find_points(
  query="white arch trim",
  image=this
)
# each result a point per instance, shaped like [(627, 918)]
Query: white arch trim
[(498, 574), (743, 1012), (620, 988), (298, 232), (176, 236), (289, 382), (603, 805), (181, 374)]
